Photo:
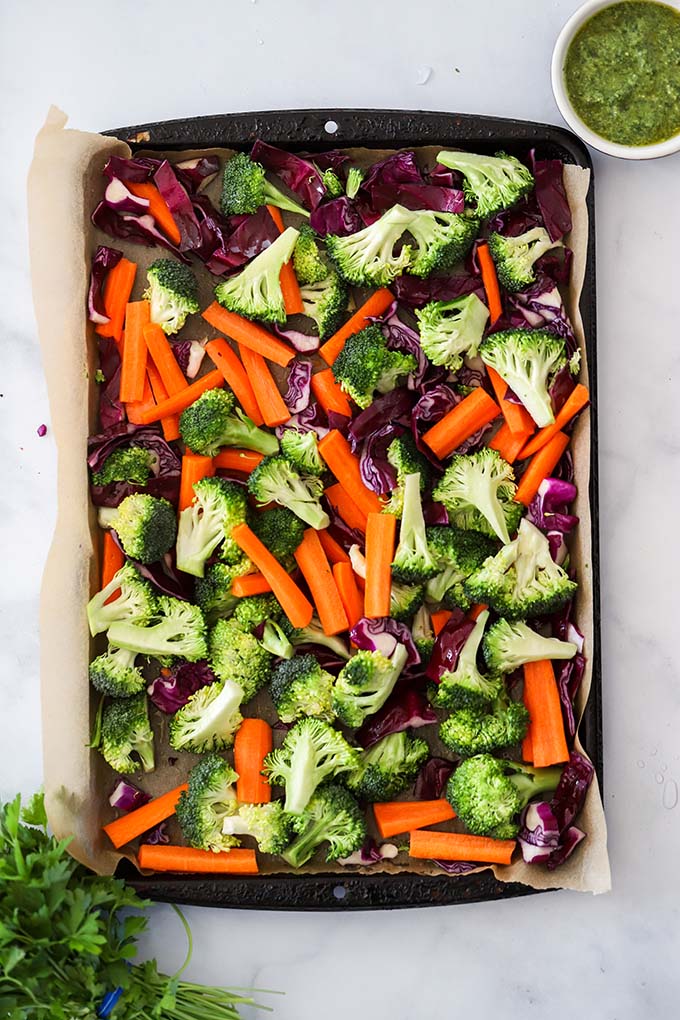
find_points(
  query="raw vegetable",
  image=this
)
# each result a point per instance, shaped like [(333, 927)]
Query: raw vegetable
[(172, 294), (212, 421), (312, 752), (331, 816), (459, 846), (406, 815), (255, 292), (491, 182), (131, 825), (245, 188), (451, 330)]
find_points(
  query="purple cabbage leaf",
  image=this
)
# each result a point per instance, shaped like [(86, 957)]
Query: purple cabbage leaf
[(383, 634), (406, 708), (298, 174), (103, 261), (165, 468), (169, 693)]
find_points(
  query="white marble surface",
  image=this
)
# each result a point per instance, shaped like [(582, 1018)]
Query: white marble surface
[(563, 954)]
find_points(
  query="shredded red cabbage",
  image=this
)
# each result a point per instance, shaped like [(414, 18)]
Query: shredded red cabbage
[(103, 261)]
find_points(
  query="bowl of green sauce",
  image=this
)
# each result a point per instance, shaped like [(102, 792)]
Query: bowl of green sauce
[(616, 76)]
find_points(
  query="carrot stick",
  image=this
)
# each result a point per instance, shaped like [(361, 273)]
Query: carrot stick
[(249, 334), (378, 303), (380, 534), (170, 424), (528, 745), (134, 823), (476, 610), (295, 605), (475, 411), (333, 549), (250, 584), (238, 460), (164, 359), (194, 467), (540, 467), (157, 207), (329, 394), (335, 450), (343, 504), (575, 402), (138, 408), (459, 846), (352, 598), (181, 858), (542, 700), (397, 816), (253, 741), (508, 443), (224, 357), (312, 561), (117, 289), (490, 281), (290, 288), (275, 214), (269, 399), (176, 403), (439, 619), (516, 416), (112, 559), (133, 364)]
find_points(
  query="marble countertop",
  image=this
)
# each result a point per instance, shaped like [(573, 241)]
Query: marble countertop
[(563, 954)]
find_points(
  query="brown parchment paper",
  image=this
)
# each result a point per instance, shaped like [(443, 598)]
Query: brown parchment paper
[(63, 186)]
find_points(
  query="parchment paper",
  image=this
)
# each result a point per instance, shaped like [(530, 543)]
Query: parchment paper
[(64, 184)]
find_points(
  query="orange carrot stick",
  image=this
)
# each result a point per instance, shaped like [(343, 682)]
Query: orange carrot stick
[(508, 443), (157, 207), (542, 700), (253, 741), (475, 411), (329, 393), (185, 859), (226, 359), (333, 549), (170, 425), (528, 745), (397, 816), (378, 303), (164, 359), (290, 288), (269, 399), (133, 364), (380, 534), (516, 416), (250, 584), (352, 598), (575, 402), (117, 289), (112, 559), (134, 823), (540, 467), (439, 619), (335, 450), (490, 281), (295, 605), (234, 459), (476, 610), (194, 467), (176, 403), (459, 846), (312, 561), (138, 408), (249, 334), (343, 504)]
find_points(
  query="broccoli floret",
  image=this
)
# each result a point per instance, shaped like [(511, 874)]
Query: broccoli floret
[(255, 292), (177, 628), (213, 590), (452, 330), (129, 464), (522, 580), (406, 459), (493, 183), (275, 480), (218, 506), (146, 526), (208, 424), (332, 183), (209, 720), (268, 824), (300, 687), (311, 752), (365, 364), (509, 644), (476, 489), (354, 178), (473, 731), (114, 673), (423, 634), (514, 257), (307, 262), (245, 188), (488, 793), (126, 732), (326, 303), (458, 553), (365, 683), (280, 530), (236, 655), (367, 258), (313, 634), (209, 801), (388, 767), (135, 601), (254, 610), (405, 599), (172, 292), (302, 450), (332, 816), (466, 687), (527, 360), (441, 239), (275, 641), (413, 562)]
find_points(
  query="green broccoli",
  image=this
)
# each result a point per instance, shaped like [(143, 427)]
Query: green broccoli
[(114, 673), (332, 183), (128, 464), (255, 292), (365, 683), (254, 610), (354, 178), (367, 258), (302, 450), (332, 816), (275, 640), (209, 720), (210, 799), (135, 601), (126, 732), (388, 767), (423, 634), (493, 183), (312, 751), (218, 506), (307, 262), (489, 793), (268, 824), (509, 644), (522, 580), (313, 634), (236, 655), (300, 687), (405, 599), (275, 480), (452, 330), (245, 189), (172, 293), (208, 424), (457, 553), (441, 239), (406, 459), (280, 530), (326, 303), (466, 687), (146, 526), (527, 360), (471, 731), (413, 562), (514, 257), (177, 628), (366, 364), (477, 490), (213, 590)]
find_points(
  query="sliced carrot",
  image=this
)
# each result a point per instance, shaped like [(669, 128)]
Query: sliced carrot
[(352, 598), (395, 816), (170, 425), (542, 699), (378, 303), (466, 418), (380, 535), (508, 443), (316, 570), (253, 741), (126, 828), (234, 459), (333, 549), (194, 467), (439, 619), (139, 408), (112, 559), (294, 603), (540, 466), (158, 208), (329, 393), (135, 351), (176, 403), (528, 745), (249, 334), (490, 281), (224, 357), (335, 450), (343, 504), (117, 289), (476, 610), (267, 394), (517, 418), (575, 402), (250, 584), (162, 857), (164, 359), (290, 288), (459, 846)]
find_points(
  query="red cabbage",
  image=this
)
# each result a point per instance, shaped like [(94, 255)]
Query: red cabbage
[(547, 834), (338, 421), (370, 853), (41, 430), (388, 408), (383, 634), (435, 513), (399, 168), (398, 179), (376, 471), (196, 174), (339, 216), (298, 174), (346, 536), (561, 389), (517, 220), (413, 291), (189, 355), (111, 410), (432, 779), (127, 797), (449, 644), (178, 202), (166, 469), (138, 169), (401, 337), (572, 788), (311, 419), (304, 343), (551, 196), (159, 834), (444, 177), (170, 693), (121, 200), (331, 160), (456, 867), (141, 229), (569, 840), (228, 243), (297, 395), (406, 708), (539, 834), (555, 264), (162, 575), (103, 260), (548, 508)]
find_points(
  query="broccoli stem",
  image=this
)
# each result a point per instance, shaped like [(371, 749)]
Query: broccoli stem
[(304, 847), (530, 782), (275, 197)]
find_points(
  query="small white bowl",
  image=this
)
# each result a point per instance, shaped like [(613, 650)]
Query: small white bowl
[(564, 39)]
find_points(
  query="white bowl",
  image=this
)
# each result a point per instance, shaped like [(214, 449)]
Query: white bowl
[(564, 39)]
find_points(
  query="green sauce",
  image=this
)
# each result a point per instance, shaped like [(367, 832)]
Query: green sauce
[(622, 72)]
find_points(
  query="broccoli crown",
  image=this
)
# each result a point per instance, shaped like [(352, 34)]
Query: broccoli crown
[(509, 644), (326, 303), (471, 731), (208, 424), (126, 464), (423, 634), (365, 364), (332, 816), (268, 824), (178, 628), (493, 183), (365, 683), (452, 330), (254, 610), (475, 489), (488, 793), (210, 799), (279, 529), (114, 673), (172, 292), (413, 562), (275, 480), (307, 262), (514, 257), (354, 178), (213, 590), (218, 506), (209, 720), (135, 601), (302, 450), (255, 292), (236, 655), (527, 360), (300, 687), (126, 732), (465, 686), (275, 640), (245, 188), (313, 634), (146, 526), (522, 580), (457, 553), (367, 258), (406, 459), (441, 239), (311, 752), (388, 767), (332, 183), (405, 600)]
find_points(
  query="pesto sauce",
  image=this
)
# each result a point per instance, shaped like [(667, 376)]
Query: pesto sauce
[(622, 72)]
